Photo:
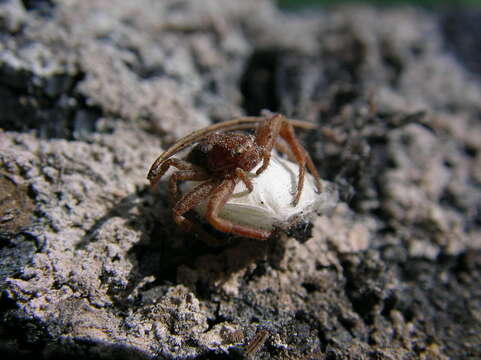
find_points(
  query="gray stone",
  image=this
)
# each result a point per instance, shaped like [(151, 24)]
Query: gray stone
[(91, 263)]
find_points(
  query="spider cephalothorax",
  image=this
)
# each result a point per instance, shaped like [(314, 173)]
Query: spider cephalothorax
[(225, 152), (221, 159)]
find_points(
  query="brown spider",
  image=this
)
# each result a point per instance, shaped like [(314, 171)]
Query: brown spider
[(220, 160)]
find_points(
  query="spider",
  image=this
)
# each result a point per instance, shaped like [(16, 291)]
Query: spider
[(221, 159)]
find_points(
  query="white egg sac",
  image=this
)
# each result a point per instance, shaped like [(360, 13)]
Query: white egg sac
[(269, 205)]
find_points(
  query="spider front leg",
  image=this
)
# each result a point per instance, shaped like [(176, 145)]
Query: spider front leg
[(192, 175), (219, 197), (187, 171), (160, 169)]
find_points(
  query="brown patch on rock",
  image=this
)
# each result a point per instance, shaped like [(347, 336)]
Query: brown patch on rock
[(15, 206)]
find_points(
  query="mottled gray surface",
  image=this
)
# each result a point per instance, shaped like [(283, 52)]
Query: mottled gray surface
[(91, 263)]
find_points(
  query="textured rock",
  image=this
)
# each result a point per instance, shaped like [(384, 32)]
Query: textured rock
[(92, 265)]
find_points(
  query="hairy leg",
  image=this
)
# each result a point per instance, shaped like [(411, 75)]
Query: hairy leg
[(241, 174), (283, 148), (180, 175), (189, 200), (186, 203), (266, 137), (313, 171), (219, 197), (177, 163), (287, 133)]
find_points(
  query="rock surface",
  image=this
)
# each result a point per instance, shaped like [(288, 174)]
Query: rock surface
[(92, 265)]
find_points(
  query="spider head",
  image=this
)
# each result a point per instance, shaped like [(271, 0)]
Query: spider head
[(222, 153)]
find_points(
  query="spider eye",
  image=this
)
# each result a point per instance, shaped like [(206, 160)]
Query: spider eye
[(239, 149), (242, 148), (206, 147)]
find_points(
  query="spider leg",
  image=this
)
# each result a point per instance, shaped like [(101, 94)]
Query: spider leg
[(186, 203), (177, 163), (283, 148), (219, 197), (241, 174), (266, 137), (313, 170), (287, 133), (184, 175)]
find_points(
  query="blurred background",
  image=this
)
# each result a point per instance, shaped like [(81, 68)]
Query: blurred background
[(293, 4)]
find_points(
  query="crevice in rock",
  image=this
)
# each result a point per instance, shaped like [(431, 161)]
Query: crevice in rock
[(29, 334), (363, 282), (43, 8), (315, 324), (259, 82), (233, 354), (50, 106), (462, 34)]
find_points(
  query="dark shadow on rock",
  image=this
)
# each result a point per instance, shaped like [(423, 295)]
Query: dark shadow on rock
[(462, 35), (76, 349), (120, 209), (49, 105), (258, 84), (185, 259), (176, 257), (24, 338)]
